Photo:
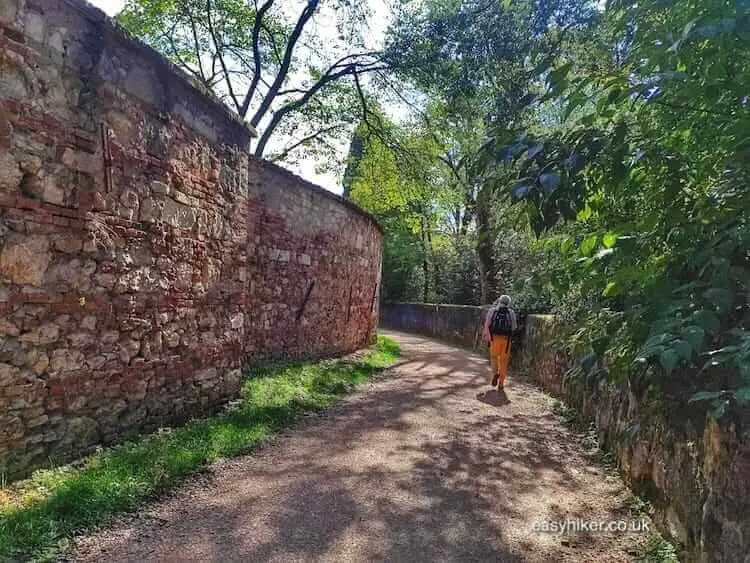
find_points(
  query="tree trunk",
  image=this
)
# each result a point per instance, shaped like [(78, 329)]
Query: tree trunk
[(485, 252), (435, 264), (425, 263)]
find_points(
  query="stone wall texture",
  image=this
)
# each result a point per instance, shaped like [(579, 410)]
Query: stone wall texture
[(144, 255), (458, 324), (695, 472)]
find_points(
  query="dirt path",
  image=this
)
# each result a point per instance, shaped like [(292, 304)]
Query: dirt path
[(422, 465)]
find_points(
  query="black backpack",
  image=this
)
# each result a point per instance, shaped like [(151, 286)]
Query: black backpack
[(501, 324)]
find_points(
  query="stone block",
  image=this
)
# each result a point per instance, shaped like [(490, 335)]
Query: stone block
[(160, 188), (81, 161), (178, 215), (7, 328), (128, 350), (88, 322), (34, 25), (41, 336), (150, 210), (66, 360), (37, 360), (24, 260), (81, 339), (237, 321), (68, 243)]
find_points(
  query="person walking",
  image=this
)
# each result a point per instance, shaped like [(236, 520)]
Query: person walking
[(499, 324)]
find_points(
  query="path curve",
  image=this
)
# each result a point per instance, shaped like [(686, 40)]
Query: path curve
[(425, 464)]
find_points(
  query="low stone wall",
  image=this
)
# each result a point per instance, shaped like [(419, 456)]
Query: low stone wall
[(144, 255), (695, 472), (459, 324)]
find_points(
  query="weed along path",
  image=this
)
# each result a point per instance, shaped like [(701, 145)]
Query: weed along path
[(423, 464)]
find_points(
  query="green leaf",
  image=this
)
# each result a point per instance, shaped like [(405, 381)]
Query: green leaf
[(566, 245), (557, 76), (694, 335), (611, 290), (683, 349), (584, 214), (724, 350), (609, 240), (550, 181), (721, 297), (705, 396), (588, 245), (669, 360), (742, 395), (522, 191), (719, 409), (707, 320)]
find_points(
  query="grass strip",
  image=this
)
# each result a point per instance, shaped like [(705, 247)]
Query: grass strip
[(39, 515)]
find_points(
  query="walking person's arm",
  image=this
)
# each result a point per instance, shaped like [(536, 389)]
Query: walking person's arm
[(487, 320)]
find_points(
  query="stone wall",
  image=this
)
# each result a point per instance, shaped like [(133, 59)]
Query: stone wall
[(696, 472), (459, 324), (144, 255)]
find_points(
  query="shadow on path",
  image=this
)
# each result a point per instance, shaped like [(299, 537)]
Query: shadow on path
[(419, 466)]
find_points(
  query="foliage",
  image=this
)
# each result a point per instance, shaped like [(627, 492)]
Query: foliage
[(472, 58), (643, 187), (659, 550), (44, 511), (269, 62), (396, 174)]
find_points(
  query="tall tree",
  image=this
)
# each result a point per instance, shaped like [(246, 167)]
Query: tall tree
[(475, 58), (277, 63), (642, 189)]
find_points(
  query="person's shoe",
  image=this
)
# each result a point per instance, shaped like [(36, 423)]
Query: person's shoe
[(494, 380)]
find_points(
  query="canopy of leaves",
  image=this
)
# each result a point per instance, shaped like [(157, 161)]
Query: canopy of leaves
[(643, 187), (269, 61)]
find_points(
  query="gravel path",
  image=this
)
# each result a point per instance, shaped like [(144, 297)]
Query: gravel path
[(424, 464)]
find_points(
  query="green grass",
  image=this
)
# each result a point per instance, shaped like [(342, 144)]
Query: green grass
[(42, 513), (659, 550)]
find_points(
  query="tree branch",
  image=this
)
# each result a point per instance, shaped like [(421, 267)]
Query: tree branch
[(305, 16), (259, 15), (183, 63), (218, 48), (306, 139), (295, 105), (274, 45), (196, 44)]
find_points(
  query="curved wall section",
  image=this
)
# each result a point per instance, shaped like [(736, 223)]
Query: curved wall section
[(144, 256)]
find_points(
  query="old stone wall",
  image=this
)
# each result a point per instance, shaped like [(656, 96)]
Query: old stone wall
[(144, 255), (695, 472), (459, 324)]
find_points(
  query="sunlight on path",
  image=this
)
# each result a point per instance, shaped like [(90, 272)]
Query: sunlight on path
[(426, 464)]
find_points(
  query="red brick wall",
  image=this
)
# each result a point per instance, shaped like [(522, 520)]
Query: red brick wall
[(144, 256)]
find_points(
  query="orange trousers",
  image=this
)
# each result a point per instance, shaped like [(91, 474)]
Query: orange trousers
[(499, 357)]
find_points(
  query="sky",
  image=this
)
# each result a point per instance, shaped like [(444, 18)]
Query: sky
[(305, 168)]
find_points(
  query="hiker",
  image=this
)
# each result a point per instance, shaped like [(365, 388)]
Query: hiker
[(499, 324)]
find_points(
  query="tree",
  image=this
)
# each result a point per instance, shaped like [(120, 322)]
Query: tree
[(268, 61), (475, 60), (642, 190)]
